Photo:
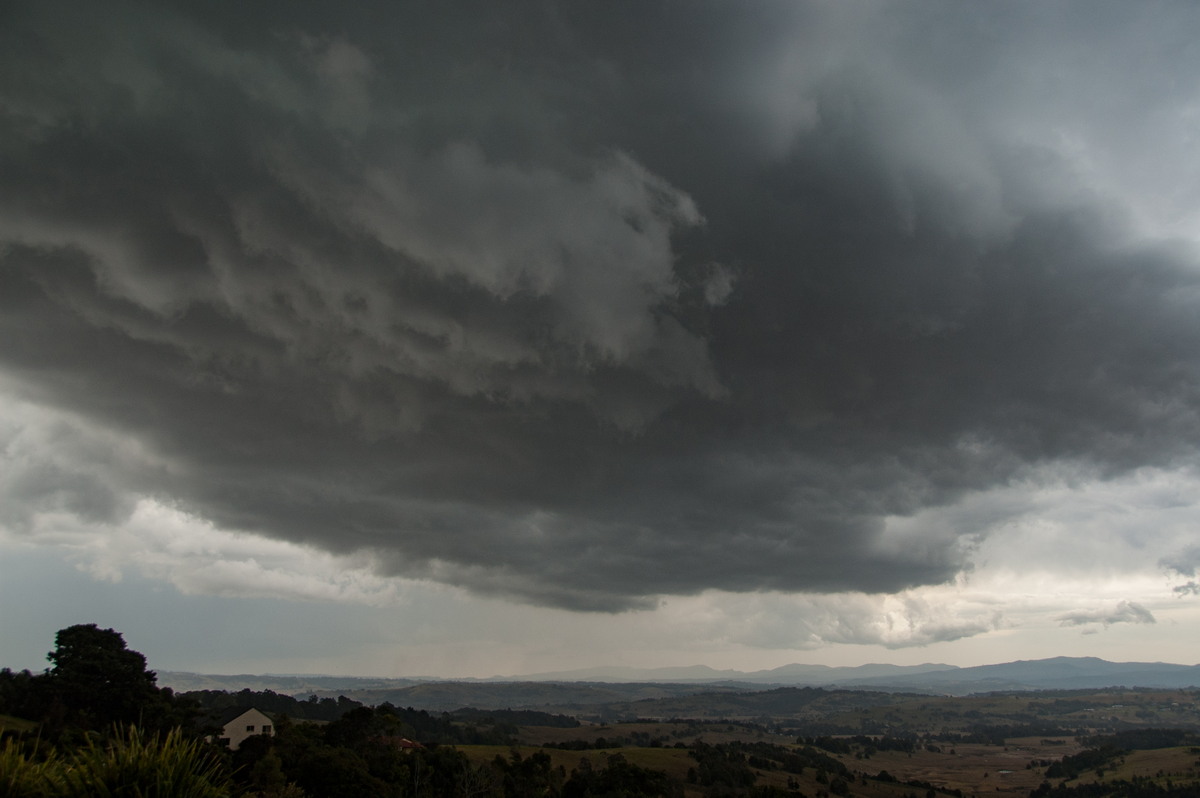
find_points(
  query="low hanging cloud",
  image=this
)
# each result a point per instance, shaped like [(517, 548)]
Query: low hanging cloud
[(580, 308), (806, 622), (1123, 612)]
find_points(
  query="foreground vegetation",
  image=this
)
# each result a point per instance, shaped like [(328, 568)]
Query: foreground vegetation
[(97, 724), (128, 762)]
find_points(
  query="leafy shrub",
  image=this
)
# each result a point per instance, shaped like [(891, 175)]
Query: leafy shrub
[(131, 764), (21, 776)]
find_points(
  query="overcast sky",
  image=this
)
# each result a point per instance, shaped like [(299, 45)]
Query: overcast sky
[(475, 338)]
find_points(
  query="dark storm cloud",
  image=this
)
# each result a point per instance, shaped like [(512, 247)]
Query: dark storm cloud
[(584, 304)]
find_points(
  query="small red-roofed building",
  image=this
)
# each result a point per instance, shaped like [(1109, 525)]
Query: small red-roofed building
[(400, 743)]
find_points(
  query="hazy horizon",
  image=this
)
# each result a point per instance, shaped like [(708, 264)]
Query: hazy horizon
[(488, 337), (613, 670)]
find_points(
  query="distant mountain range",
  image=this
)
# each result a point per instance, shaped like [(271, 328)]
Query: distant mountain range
[(794, 674), (1058, 673)]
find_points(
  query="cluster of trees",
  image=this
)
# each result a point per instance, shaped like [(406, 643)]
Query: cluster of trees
[(461, 727), (638, 739), (861, 744), (1146, 739), (1138, 787), (535, 775), (1071, 766), (724, 766), (273, 703), (598, 744), (94, 682), (517, 717), (102, 727), (619, 778), (993, 734), (1110, 748), (357, 755), (730, 767), (365, 723)]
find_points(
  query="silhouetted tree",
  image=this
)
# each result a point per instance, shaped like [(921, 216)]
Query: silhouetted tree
[(96, 681)]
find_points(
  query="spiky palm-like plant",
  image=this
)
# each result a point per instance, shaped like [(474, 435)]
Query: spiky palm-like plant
[(22, 776), (138, 765)]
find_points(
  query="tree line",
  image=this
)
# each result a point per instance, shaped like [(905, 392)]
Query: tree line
[(96, 723)]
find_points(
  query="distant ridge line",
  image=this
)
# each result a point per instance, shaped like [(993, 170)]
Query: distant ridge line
[(1058, 673)]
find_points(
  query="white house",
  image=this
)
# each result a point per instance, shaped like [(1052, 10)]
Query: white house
[(239, 724)]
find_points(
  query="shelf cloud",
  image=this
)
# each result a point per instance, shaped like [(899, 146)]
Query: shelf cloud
[(584, 306)]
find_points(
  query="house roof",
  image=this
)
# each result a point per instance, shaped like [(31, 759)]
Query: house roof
[(226, 716)]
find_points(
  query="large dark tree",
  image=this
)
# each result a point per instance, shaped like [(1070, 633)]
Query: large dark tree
[(96, 681)]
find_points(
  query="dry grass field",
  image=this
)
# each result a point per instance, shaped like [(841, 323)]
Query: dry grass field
[(975, 769), (972, 768)]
